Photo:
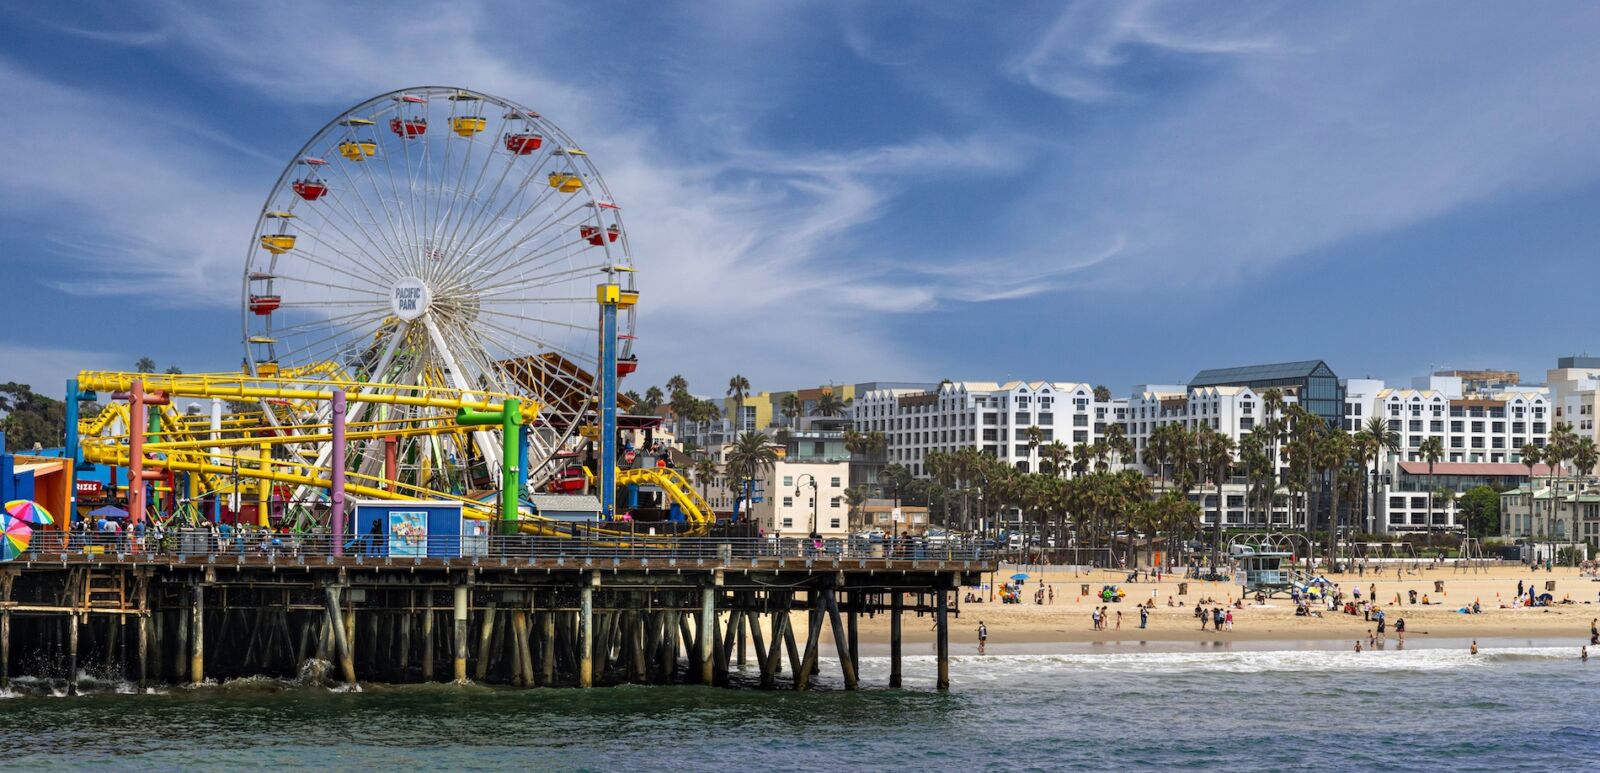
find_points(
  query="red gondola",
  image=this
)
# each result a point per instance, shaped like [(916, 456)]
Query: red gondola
[(408, 127), (310, 190), (592, 233), (262, 305), (627, 365), (523, 144), (569, 480)]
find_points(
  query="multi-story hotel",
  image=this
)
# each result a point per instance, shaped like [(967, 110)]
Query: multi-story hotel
[(993, 417)]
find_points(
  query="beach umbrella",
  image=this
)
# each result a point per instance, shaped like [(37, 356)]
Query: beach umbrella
[(29, 511), (15, 538), (1020, 576)]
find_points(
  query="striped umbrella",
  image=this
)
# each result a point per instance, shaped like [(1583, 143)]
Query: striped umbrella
[(30, 511), (15, 538)]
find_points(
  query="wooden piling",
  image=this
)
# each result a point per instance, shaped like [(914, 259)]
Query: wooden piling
[(459, 671), (896, 608), (180, 645), (773, 665), (840, 643), (942, 623), (808, 664), (708, 613), (521, 676), (427, 641), (485, 634), (197, 635), (341, 634), (72, 653), (853, 609), (586, 632), (547, 648)]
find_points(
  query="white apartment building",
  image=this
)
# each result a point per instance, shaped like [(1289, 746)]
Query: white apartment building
[(991, 416), (1475, 429), (1574, 392), (789, 503)]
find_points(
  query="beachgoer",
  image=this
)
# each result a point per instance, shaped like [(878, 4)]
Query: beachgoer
[(1474, 646), (1594, 631), (1229, 619), (983, 636), (1583, 654), (1358, 645), (1094, 617), (1144, 617), (1119, 619), (1400, 628)]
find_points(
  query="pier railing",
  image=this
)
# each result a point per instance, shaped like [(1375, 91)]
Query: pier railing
[(207, 545)]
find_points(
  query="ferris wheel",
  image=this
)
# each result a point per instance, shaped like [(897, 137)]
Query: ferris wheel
[(440, 237)]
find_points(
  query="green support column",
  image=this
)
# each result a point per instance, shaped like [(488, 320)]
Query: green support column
[(509, 417)]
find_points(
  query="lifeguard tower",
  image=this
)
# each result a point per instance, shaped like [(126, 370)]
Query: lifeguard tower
[(1262, 572)]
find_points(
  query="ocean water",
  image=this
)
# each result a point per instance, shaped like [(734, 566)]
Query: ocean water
[(1517, 706)]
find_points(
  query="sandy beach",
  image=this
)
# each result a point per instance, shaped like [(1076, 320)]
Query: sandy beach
[(1067, 619)]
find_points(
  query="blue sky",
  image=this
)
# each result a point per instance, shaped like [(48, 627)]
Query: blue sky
[(1112, 192)]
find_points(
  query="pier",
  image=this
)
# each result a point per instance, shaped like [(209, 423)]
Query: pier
[(515, 610)]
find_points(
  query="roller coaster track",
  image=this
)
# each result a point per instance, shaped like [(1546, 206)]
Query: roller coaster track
[(190, 443)]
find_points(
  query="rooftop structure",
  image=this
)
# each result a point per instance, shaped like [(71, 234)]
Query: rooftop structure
[(1312, 382)]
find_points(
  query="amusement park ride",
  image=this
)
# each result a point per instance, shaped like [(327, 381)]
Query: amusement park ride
[(438, 299)]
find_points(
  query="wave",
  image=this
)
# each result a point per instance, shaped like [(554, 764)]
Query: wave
[(1243, 661)]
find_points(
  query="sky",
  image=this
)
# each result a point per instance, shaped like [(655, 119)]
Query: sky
[(833, 192)]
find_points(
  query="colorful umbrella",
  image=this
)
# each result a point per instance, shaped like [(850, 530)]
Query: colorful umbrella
[(14, 541), (29, 511)]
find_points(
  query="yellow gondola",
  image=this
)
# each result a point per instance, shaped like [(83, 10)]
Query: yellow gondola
[(467, 125), (358, 150), (277, 244), (566, 183)]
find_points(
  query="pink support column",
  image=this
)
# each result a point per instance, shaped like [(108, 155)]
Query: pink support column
[(391, 467), (138, 423), (336, 476)]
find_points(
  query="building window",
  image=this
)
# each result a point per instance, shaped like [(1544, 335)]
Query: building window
[(834, 482), (834, 503), (788, 501), (788, 523), (833, 523), (788, 480)]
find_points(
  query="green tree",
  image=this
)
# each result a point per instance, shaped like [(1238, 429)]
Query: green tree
[(1480, 510), (1102, 394), (174, 370), (1375, 442), (791, 407), (31, 418), (705, 471), (145, 365), (749, 456)]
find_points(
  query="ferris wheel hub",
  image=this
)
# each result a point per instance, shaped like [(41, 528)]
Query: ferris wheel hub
[(409, 298)]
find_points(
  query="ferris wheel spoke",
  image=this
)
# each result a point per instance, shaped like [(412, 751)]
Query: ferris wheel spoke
[(473, 196), (474, 233), (541, 280), (407, 240), (551, 346), (486, 228), (327, 264), (325, 283), (393, 247), (379, 262), (585, 328), (489, 249)]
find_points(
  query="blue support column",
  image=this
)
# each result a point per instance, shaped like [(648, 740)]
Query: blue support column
[(74, 446), (609, 296), (522, 460)]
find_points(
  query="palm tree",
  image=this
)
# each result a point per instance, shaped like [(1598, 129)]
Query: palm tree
[(1035, 436), (1584, 457), (1216, 453), (829, 405), (1272, 399), (1379, 440), (653, 398), (1117, 441), (1059, 455), (738, 389), (750, 455), (855, 497), (1431, 450), (705, 471), (677, 384), (1332, 457), (790, 407), (145, 365), (1531, 454), (174, 370)]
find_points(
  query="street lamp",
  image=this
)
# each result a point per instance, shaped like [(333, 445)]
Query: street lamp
[(800, 483)]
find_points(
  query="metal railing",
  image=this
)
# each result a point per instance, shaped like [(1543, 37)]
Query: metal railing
[(250, 543)]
